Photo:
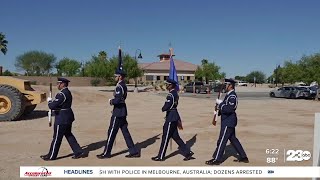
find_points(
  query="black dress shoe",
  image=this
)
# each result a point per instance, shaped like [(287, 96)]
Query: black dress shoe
[(102, 156), (244, 160), (136, 155), (188, 156), (213, 162), (78, 156), (157, 159), (46, 158)]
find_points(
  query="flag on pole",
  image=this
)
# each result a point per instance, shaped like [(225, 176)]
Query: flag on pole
[(173, 73), (120, 64)]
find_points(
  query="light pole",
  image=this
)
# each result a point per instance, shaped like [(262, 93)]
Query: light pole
[(82, 64), (140, 56), (135, 79)]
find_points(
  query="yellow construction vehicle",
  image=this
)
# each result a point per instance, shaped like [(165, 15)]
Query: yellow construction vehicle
[(17, 98)]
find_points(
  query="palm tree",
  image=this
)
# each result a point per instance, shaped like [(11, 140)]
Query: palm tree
[(102, 55), (204, 61), (3, 43)]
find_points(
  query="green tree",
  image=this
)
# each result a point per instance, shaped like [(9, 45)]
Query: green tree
[(98, 68), (291, 72), (260, 77), (102, 56), (305, 70), (199, 73), (130, 66), (223, 75), (209, 71), (3, 43), (68, 67), (240, 78), (278, 75), (204, 61), (35, 62), (310, 66), (7, 73), (133, 69), (270, 79)]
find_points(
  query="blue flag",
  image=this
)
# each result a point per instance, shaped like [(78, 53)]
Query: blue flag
[(173, 73)]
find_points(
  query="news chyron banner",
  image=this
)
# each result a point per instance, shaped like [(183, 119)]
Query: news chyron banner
[(273, 158), (168, 172), (316, 146), (316, 142)]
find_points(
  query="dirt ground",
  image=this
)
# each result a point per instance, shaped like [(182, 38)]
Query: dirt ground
[(263, 124)]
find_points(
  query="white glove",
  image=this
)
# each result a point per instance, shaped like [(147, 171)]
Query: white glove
[(49, 99), (110, 102), (218, 101)]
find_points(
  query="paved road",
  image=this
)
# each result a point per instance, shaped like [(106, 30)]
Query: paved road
[(241, 95)]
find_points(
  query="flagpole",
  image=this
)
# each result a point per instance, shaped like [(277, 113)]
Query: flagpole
[(171, 52)]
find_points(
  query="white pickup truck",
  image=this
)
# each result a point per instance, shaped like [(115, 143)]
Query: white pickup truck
[(241, 83)]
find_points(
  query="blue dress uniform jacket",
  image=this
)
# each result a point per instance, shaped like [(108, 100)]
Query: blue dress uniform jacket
[(170, 106), (63, 123), (228, 123), (119, 104), (119, 120), (62, 107), (170, 129), (228, 110)]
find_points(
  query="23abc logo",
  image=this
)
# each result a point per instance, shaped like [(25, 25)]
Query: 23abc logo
[(298, 155)]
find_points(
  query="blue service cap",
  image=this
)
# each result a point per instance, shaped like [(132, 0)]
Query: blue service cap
[(120, 72), (230, 81), (63, 80), (170, 81)]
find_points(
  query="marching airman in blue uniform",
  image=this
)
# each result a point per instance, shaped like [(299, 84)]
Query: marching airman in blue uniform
[(227, 111), (64, 117), (119, 119), (171, 125)]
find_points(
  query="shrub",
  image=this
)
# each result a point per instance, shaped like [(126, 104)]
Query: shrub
[(272, 85), (111, 83), (95, 82)]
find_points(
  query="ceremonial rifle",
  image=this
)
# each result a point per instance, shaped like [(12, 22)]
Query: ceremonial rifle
[(216, 111), (50, 111)]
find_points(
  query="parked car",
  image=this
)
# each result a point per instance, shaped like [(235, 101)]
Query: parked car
[(217, 87), (292, 92), (311, 89), (241, 83), (300, 84), (199, 87)]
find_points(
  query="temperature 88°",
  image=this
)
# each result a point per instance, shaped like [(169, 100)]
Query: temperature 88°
[(272, 160)]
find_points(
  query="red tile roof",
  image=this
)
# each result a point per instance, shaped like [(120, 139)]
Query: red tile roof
[(165, 65), (143, 65)]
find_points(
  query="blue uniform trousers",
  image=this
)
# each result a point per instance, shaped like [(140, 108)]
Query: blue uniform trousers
[(60, 131), (115, 124), (228, 133), (170, 130)]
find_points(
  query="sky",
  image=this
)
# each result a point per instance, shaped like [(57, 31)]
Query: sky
[(239, 36)]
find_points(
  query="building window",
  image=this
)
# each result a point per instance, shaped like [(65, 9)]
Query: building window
[(166, 77), (149, 78), (158, 78), (188, 78)]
